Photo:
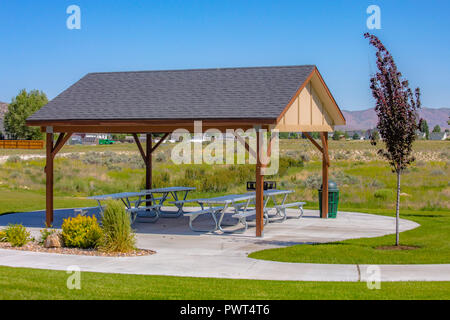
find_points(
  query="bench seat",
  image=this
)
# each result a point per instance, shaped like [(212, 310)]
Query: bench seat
[(290, 205), (202, 211), (282, 209), (195, 214)]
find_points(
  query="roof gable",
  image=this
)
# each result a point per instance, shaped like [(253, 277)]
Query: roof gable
[(312, 109)]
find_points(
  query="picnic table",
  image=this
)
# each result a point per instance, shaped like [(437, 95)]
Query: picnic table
[(280, 207), (240, 203), (178, 199), (153, 211), (132, 206)]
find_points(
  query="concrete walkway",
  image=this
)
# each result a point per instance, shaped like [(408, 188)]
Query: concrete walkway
[(181, 252)]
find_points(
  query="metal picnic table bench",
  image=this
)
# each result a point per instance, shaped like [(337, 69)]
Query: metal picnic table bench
[(178, 200), (153, 211), (240, 203), (132, 206)]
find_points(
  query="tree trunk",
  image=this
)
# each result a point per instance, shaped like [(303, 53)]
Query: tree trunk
[(397, 216)]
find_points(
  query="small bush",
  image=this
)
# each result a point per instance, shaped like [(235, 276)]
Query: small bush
[(118, 236), (3, 236), (17, 235), (376, 184), (437, 172), (13, 159), (81, 232), (45, 233), (383, 194), (160, 157), (305, 157), (313, 181)]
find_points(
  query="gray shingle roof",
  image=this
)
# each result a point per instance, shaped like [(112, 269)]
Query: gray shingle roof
[(231, 93)]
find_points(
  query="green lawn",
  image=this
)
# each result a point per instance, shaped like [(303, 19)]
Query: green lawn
[(432, 239), (19, 283), (25, 201)]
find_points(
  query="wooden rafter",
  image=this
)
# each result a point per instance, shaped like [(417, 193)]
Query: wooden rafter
[(139, 145), (246, 145), (321, 149), (62, 139), (159, 142), (325, 147), (307, 135)]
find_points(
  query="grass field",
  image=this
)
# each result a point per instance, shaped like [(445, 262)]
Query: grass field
[(43, 284)]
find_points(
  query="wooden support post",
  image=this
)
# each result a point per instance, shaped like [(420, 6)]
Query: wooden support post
[(325, 164), (259, 187), (149, 168), (49, 180)]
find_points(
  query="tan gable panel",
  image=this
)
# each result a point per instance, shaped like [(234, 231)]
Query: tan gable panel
[(313, 109), (307, 113), (330, 109), (305, 105), (291, 116), (316, 109)]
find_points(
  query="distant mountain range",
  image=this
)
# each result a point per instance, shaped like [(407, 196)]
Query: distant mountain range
[(367, 119)]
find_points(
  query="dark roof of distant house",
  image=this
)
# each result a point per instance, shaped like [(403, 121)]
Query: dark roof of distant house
[(437, 135), (229, 93)]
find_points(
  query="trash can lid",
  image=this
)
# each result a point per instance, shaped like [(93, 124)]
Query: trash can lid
[(332, 186)]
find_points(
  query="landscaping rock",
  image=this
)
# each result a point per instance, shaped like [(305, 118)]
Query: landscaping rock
[(53, 241)]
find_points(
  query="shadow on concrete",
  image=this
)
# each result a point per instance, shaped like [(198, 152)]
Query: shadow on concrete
[(36, 219)]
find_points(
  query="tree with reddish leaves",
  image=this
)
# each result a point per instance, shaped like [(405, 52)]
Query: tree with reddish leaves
[(396, 107)]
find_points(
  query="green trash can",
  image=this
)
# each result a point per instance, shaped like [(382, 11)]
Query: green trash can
[(333, 199)]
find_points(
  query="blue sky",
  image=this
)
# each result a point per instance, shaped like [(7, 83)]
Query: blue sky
[(39, 52)]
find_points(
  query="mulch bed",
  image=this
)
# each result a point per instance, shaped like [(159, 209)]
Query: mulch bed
[(36, 247), (397, 248)]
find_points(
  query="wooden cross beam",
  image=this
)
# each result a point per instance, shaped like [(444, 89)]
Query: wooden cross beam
[(321, 149), (62, 139), (159, 142), (141, 150), (246, 145)]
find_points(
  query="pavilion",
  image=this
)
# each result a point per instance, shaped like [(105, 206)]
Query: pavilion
[(287, 98)]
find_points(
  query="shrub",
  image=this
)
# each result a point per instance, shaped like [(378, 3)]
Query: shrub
[(305, 157), (313, 181), (17, 235), (160, 157), (13, 159), (437, 172), (286, 163), (81, 232), (383, 194), (342, 178), (376, 184), (118, 236), (45, 233), (3, 236)]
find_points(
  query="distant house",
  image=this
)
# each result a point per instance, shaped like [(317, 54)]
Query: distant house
[(360, 133), (87, 138), (421, 135), (438, 136)]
